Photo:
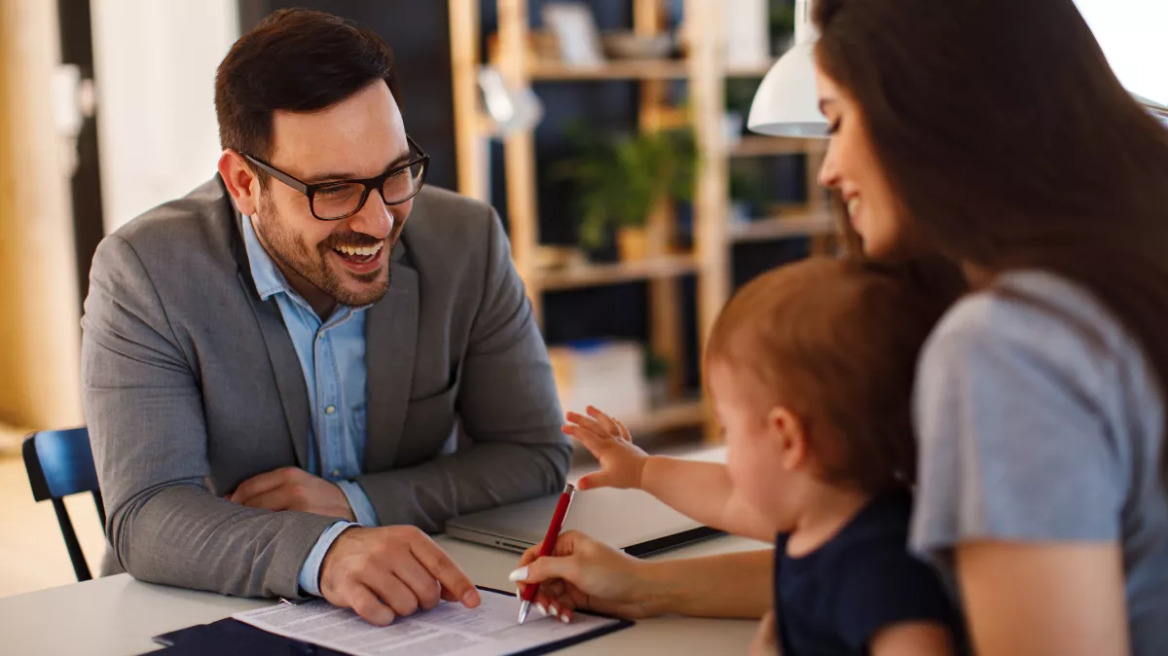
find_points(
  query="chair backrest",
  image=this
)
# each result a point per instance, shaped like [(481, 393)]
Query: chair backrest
[(60, 463)]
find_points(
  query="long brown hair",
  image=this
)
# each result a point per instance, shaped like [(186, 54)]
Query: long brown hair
[(1011, 144)]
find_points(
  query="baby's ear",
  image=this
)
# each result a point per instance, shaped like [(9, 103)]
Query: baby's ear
[(788, 436)]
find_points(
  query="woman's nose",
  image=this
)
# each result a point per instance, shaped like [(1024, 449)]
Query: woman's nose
[(828, 172)]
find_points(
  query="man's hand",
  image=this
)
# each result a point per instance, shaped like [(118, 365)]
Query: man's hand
[(621, 463), (392, 571), (292, 488)]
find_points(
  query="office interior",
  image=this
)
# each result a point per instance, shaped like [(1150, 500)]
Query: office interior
[(106, 111)]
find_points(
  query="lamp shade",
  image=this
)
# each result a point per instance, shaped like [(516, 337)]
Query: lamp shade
[(786, 103)]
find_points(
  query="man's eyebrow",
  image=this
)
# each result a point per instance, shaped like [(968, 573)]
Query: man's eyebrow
[(334, 176)]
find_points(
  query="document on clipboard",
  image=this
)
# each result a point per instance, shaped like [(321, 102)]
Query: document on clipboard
[(448, 630)]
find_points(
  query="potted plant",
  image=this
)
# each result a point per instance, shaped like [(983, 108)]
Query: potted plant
[(782, 26), (621, 180), (657, 378)]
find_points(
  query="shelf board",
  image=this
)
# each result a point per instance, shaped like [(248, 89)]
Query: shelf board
[(757, 70), (630, 69), (759, 146), (595, 275), (786, 226), (650, 69), (680, 414)]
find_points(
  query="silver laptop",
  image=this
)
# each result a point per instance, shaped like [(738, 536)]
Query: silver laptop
[(631, 520)]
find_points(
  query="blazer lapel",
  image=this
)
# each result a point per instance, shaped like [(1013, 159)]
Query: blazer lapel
[(286, 368), (285, 365), (391, 336)]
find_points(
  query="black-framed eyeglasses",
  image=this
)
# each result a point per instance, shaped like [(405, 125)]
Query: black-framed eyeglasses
[(340, 199)]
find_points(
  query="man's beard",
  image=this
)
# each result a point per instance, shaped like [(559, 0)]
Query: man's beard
[(293, 254)]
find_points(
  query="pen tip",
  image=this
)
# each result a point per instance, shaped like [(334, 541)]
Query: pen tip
[(524, 608)]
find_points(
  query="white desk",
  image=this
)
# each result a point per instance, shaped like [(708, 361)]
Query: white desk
[(118, 615)]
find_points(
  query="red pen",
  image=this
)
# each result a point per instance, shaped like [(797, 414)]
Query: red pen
[(549, 545)]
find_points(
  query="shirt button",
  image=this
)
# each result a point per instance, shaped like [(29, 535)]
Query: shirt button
[(330, 409), (336, 473)]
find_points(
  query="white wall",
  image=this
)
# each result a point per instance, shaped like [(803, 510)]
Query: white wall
[(1132, 34), (155, 67)]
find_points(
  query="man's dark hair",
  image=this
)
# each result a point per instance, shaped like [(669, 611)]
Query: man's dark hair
[(296, 60)]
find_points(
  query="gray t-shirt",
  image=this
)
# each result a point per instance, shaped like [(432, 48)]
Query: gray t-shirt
[(1040, 420)]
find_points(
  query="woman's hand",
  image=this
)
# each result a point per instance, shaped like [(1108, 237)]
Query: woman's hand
[(766, 641), (587, 575), (621, 463)]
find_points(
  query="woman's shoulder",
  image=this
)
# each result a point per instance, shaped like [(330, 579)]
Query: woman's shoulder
[(1039, 317)]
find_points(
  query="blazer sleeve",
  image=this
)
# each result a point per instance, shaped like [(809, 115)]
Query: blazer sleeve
[(144, 411), (509, 409)]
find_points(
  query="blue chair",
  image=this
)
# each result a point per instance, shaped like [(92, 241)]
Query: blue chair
[(60, 463)]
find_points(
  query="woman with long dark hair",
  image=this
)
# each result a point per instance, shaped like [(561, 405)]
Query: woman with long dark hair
[(994, 133)]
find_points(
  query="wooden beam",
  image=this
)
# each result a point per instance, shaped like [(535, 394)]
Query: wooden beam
[(469, 143), (519, 148), (707, 84)]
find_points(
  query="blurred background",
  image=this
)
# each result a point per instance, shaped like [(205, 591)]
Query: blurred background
[(609, 134)]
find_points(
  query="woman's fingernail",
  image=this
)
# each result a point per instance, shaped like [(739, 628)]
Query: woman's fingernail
[(555, 612), (541, 609), (565, 619), (518, 575)]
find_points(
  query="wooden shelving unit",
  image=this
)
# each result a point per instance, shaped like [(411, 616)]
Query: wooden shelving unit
[(679, 414), (617, 70), (749, 71), (803, 223), (705, 74), (757, 146), (594, 275)]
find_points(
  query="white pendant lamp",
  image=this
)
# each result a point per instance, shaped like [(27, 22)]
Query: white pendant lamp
[(786, 103)]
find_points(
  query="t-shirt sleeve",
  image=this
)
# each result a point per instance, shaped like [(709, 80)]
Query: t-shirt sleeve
[(1014, 443), (887, 588)]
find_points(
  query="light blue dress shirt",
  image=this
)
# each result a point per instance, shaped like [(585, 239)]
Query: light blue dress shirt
[(332, 358)]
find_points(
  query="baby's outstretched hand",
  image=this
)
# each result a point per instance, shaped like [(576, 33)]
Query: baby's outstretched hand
[(621, 462)]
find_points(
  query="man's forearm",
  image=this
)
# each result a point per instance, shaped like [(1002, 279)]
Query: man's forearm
[(728, 585), (486, 475), (182, 535)]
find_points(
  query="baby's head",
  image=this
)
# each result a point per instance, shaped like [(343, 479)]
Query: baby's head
[(810, 369)]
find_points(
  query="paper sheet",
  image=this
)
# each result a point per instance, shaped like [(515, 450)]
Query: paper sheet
[(448, 630)]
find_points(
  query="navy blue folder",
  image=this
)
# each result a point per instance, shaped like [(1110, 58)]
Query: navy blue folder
[(230, 637)]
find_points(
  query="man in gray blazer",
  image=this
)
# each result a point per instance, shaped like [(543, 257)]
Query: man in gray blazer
[(286, 383)]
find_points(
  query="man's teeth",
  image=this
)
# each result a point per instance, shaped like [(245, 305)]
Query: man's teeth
[(360, 251), (853, 206)]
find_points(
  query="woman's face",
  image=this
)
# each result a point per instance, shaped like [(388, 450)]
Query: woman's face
[(852, 168)]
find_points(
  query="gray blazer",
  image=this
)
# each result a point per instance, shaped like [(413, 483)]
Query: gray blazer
[(191, 386)]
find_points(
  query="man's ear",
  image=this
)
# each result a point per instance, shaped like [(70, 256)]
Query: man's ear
[(241, 182), (790, 437)]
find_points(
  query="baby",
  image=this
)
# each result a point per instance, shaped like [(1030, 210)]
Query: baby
[(810, 371)]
